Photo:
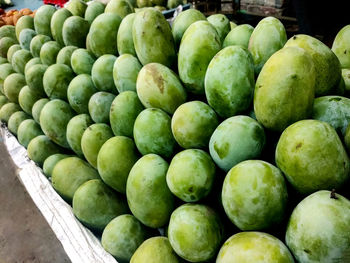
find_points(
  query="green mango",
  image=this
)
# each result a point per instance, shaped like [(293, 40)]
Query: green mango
[(115, 160), (100, 105), (232, 25), (56, 80), (346, 77), (7, 110), (70, 173), (37, 42), (159, 87), (15, 120), (104, 29), (34, 78), (26, 99), (57, 22), (327, 66), (74, 31), (239, 36), (93, 10), (31, 62), (221, 24), (148, 195), (102, 73), (92, 140), (229, 81), (54, 118), (40, 148), (42, 19), (285, 89), (28, 130), (64, 55), (124, 110), (8, 31), (51, 161), (25, 37), (268, 37), (13, 85), (183, 21), (5, 44), (247, 247), (37, 107), (77, 7), (79, 92), (12, 51), (95, 204), (152, 37), (198, 46), (152, 133), (125, 71), (236, 139), (5, 70), (82, 61), (195, 232), (119, 7), (20, 59), (125, 42), (3, 101), (48, 52), (193, 123), (341, 48), (318, 228)]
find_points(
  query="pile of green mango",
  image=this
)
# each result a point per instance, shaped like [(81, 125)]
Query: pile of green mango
[(202, 141)]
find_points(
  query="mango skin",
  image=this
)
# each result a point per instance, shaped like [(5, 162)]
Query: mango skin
[(236, 139), (254, 195), (346, 77), (5, 70), (25, 37), (268, 37), (75, 129), (8, 31), (74, 31), (102, 73), (198, 46), (51, 161), (122, 236), (3, 100), (191, 175), (232, 25), (246, 247), (327, 66), (56, 80), (285, 88), (324, 238), (34, 78), (15, 120), (152, 133), (92, 140), (229, 81), (334, 110), (239, 36), (125, 42), (79, 92), (77, 7), (195, 232), (7, 110), (93, 10), (28, 130), (297, 148), (64, 55), (49, 52), (125, 71), (340, 48), (115, 160), (12, 51), (54, 118), (40, 148), (20, 59), (42, 19), (95, 204), (124, 110), (5, 44), (82, 61), (104, 29), (183, 21), (22, 23), (56, 25), (193, 123), (159, 87), (70, 173), (30, 63), (26, 99), (37, 42), (37, 107), (148, 195), (99, 106), (152, 37), (156, 250), (13, 85), (221, 24), (119, 7)]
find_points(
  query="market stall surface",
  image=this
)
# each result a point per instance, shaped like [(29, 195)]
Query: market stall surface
[(25, 236)]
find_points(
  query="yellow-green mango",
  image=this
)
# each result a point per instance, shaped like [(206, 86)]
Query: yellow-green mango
[(37, 107), (221, 24), (40, 148), (22, 23), (93, 10), (15, 120), (125, 42), (26, 99), (341, 46), (125, 71), (56, 25), (239, 35), (120, 7), (28, 130)]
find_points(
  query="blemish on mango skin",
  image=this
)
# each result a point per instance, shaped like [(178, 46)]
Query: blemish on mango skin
[(157, 77), (222, 151), (298, 145)]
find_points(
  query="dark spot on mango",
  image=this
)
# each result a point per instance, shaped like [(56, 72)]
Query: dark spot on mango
[(307, 251), (345, 51), (298, 145), (295, 37), (335, 99), (294, 76), (190, 189), (157, 77)]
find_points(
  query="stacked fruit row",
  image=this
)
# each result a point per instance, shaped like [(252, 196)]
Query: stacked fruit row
[(204, 128)]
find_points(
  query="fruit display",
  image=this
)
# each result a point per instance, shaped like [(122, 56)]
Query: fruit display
[(203, 141)]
